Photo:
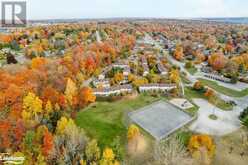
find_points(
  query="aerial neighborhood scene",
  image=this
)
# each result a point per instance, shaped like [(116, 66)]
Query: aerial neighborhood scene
[(99, 83)]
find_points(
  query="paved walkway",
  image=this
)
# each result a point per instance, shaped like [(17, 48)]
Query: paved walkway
[(226, 123), (98, 37)]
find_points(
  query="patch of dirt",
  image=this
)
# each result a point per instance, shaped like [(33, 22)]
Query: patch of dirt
[(137, 146), (230, 151)]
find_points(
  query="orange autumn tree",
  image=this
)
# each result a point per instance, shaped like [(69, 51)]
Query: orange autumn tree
[(51, 94), (5, 38), (19, 132), (178, 53), (199, 57), (229, 47), (13, 94), (198, 141), (5, 134), (198, 86), (217, 61), (209, 93), (201, 143), (47, 143), (38, 62), (86, 96)]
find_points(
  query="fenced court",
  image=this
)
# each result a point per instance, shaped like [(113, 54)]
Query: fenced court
[(160, 119)]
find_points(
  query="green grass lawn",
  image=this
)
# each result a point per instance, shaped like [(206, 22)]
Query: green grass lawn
[(190, 94), (224, 90), (104, 121), (191, 70)]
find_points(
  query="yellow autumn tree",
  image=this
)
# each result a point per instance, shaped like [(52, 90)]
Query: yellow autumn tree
[(118, 77), (70, 91), (175, 76), (32, 107), (48, 108), (139, 81), (108, 154), (62, 123), (83, 162), (108, 157), (133, 132)]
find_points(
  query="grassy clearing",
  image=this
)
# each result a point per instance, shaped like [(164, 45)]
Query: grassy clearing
[(104, 121), (190, 94), (224, 90), (191, 70)]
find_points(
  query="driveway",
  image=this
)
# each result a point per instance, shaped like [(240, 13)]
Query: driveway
[(226, 123)]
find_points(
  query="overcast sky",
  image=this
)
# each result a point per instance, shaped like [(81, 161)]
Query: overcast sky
[(56, 9)]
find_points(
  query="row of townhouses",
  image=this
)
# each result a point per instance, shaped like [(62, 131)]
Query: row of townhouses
[(217, 77), (117, 90), (211, 74), (156, 87)]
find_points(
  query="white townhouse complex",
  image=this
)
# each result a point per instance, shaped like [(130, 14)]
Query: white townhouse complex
[(117, 90), (156, 87), (104, 83), (217, 77)]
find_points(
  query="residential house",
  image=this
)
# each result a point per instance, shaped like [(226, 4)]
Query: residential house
[(146, 69), (120, 65), (126, 71), (144, 66), (162, 70)]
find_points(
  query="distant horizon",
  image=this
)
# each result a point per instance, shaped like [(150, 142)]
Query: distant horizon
[(107, 9), (169, 18)]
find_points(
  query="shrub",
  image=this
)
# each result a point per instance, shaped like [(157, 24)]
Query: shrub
[(188, 64), (244, 117), (184, 137), (234, 79), (198, 86)]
